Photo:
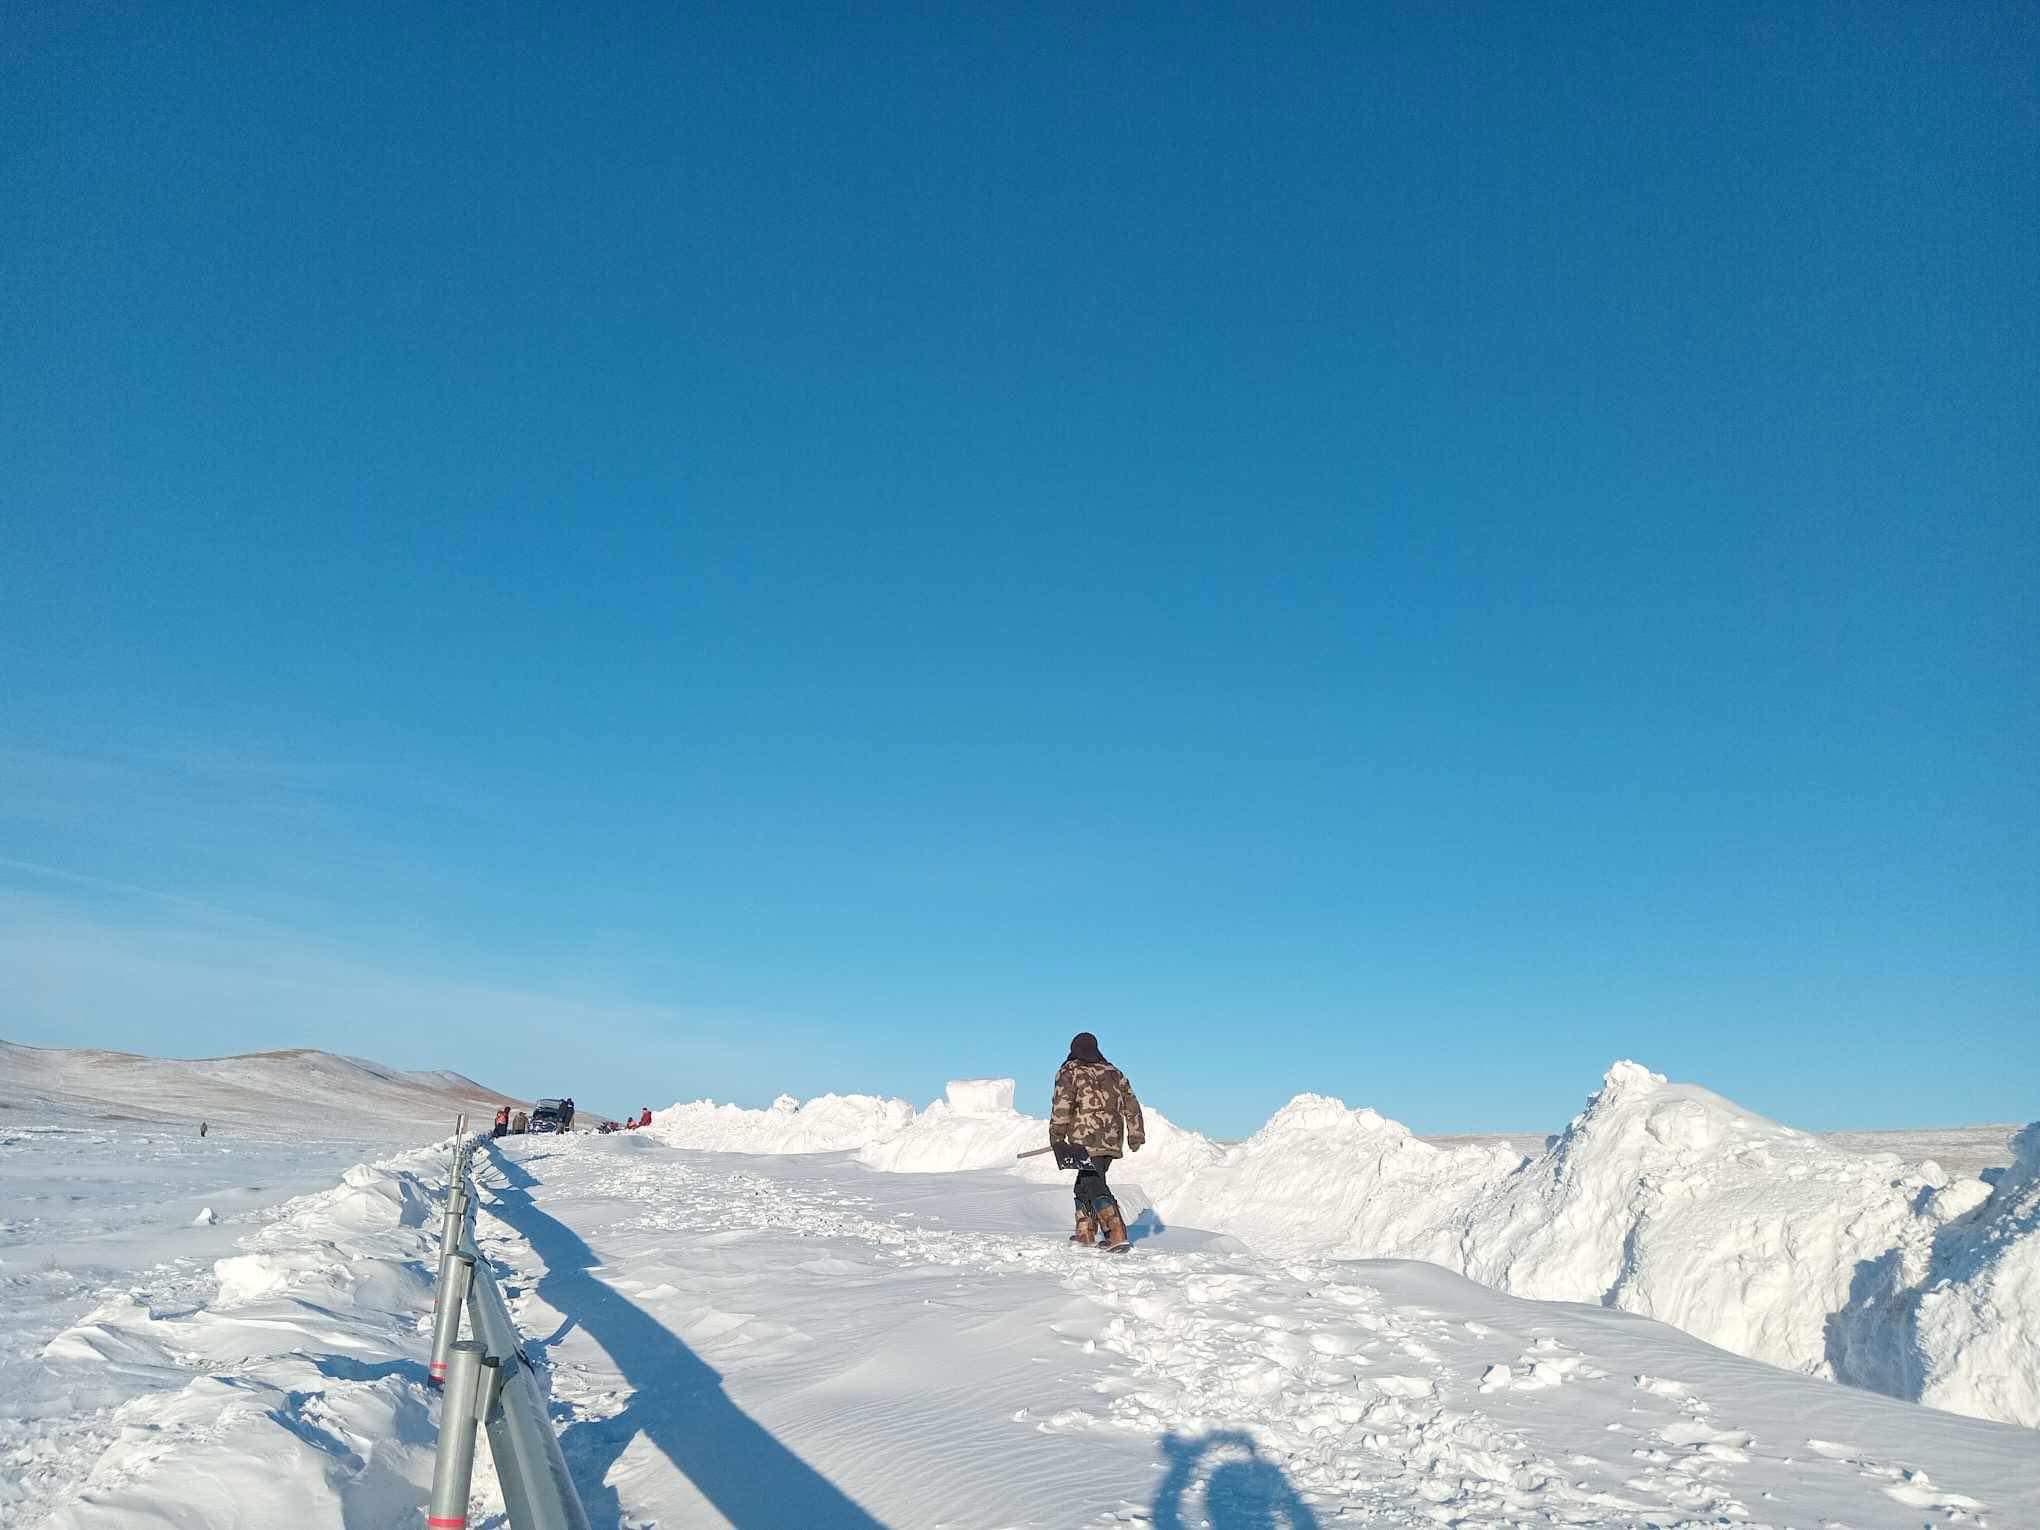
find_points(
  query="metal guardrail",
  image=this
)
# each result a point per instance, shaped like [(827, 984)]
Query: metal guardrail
[(489, 1381)]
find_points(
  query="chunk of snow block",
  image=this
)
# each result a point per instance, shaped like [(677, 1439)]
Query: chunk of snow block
[(980, 1096)]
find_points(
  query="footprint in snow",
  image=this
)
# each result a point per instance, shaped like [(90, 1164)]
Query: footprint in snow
[(1918, 1492), (1404, 1386), (1332, 1341), (1701, 1440), (1908, 1485)]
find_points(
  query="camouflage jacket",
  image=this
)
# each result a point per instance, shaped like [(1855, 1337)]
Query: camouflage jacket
[(1091, 1100)]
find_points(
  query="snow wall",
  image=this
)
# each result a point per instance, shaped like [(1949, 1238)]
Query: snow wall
[(1659, 1198)]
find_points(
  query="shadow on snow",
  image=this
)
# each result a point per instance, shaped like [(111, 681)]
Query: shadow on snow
[(1221, 1479), (677, 1400)]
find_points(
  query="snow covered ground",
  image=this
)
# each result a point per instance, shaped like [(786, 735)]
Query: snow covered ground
[(780, 1340), (840, 1336), (117, 1221), (1659, 1198), (776, 1340)]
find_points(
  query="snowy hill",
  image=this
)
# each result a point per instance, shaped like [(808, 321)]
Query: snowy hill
[(283, 1091), (1659, 1198)]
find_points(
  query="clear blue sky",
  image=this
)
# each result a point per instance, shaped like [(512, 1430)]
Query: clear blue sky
[(1405, 552)]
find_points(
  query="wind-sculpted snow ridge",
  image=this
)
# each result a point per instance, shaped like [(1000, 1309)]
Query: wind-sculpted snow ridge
[(1659, 1198)]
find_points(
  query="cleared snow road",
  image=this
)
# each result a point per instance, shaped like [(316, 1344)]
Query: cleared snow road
[(779, 1340)]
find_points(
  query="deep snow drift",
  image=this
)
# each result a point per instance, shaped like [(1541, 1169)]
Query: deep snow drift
[(1659, 1198), (284, 1385)]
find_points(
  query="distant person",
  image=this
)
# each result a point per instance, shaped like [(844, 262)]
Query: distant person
[(502, 1127), (646, 1118), (201, 1128), (1093, 1115)]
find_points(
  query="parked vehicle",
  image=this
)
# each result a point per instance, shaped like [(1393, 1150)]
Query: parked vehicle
[(553, 1116)]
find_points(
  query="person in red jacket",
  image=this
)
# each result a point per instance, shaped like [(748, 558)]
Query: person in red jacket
[(646, 1118)]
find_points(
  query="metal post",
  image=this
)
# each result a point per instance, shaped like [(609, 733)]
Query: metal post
[(453, 1469), (449, 1235), (446, 1321)]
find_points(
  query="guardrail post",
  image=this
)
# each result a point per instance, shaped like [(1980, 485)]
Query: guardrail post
[(446, 1321), (454, 1467), (450, 1231)]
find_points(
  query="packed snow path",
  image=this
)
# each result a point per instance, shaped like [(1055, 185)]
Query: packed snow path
[(765, 1341)]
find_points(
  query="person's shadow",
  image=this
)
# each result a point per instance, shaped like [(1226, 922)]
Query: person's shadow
[(677, 1400), (1224, 1475)]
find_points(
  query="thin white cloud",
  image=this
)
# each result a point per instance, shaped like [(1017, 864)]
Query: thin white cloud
[(39, 871), (180, 989)]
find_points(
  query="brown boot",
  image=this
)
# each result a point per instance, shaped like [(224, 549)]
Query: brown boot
[(1114, 1227), (1087, 1230)]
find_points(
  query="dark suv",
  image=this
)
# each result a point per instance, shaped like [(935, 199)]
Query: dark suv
[(553, 1116)]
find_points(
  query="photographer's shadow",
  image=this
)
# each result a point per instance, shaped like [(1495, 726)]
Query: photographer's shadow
[(1222, 1480)]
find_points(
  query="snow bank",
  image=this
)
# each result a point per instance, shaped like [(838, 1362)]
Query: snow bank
[(1978, 1324), (294, 1395), (1322, 1179), (974, 1126), (1956, 1323), (1659, 1198), (831, 1123), (1670, 1201)]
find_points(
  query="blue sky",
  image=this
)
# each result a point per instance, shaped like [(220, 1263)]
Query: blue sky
[(1406, 554)]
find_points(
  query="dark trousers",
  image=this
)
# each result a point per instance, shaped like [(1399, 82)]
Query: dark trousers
[(1093, 1194)]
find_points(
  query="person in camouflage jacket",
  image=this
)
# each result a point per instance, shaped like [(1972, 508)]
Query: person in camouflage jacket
[(1096, 1118)]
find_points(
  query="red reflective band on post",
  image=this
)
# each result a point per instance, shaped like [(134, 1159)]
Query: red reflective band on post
[(446, 1524), (438, 1371)]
